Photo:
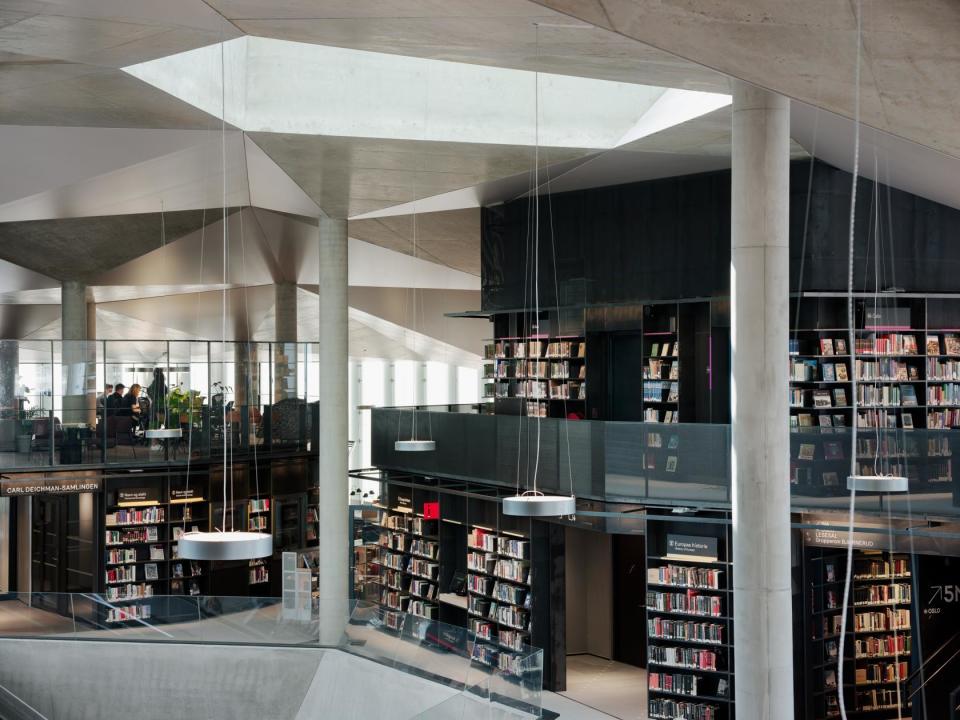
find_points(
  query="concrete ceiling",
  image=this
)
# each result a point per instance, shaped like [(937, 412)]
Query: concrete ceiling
[(449, 238), (498, 33), (910, 76)]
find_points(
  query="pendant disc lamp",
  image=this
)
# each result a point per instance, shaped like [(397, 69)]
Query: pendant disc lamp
[(532, 502), (225, 544), (413, 443)]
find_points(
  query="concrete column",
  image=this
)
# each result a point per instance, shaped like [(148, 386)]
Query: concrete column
[(334, 538), (285, 334), (79, 357), (759, 284), (9, 404)]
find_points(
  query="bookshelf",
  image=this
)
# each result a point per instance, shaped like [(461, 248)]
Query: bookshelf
[(499, 595), (661, 364), (689, 622), (877, 657), (259, 515), (904, 371), (546, 373), (408, 559)]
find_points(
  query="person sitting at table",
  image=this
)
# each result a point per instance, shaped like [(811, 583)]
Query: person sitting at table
[(130, 405), (102, 399), (114, 403)]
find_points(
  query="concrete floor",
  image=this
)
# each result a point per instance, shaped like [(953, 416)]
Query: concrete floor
[(613, 688)]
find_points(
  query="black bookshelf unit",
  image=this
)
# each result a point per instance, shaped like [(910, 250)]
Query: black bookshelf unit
[(878, 647), (548, 374), (689, 621)]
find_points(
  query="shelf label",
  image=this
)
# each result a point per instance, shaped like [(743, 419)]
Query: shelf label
[(692, 546), (49, 486)]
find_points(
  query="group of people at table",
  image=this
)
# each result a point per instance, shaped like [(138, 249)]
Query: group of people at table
[(114, 402)]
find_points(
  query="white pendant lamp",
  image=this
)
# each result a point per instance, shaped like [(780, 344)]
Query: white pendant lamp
[(415, 445), (877, 483), (232, 545), (534, 503), (228, 544), (163, 433)]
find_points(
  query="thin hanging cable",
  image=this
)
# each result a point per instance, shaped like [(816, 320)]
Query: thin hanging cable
[(249, 342), (223, 326), (853, 348), (536, 229)]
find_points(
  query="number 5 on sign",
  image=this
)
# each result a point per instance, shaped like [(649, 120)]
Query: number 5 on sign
[(947, 593)]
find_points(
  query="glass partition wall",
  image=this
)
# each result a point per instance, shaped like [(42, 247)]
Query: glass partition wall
[(55, 408)]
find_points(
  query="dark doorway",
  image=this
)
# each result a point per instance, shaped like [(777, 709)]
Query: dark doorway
[(626, 369), (630, 592), (62, 557)]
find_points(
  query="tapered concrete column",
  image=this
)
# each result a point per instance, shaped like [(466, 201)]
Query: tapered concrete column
[(334, 539), (759, 283), (285, 349), (78, 355)]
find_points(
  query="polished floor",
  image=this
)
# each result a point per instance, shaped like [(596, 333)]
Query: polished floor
[(612, 688)]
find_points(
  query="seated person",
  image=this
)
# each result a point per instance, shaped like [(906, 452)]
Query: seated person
[(130, 404), (102, 399), (114, 402)]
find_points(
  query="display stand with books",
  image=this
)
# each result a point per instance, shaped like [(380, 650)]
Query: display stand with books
[(689, 621)]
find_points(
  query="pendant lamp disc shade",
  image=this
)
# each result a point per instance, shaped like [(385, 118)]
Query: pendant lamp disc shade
[(414, 445), (877, 483), (540, 505), (166, 434), (225, 545)]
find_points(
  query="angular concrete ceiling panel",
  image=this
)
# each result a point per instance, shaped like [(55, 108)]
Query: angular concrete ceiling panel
[(449, 238), (82, 248), (351, 176), (375, 266), (499, 33), (808, 50), (190, 177), (272, 188)]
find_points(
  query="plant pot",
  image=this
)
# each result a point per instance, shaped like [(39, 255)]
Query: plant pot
[(24, 443)]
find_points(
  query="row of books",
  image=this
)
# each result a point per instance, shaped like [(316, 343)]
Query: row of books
[(882, 621), (660, 628), (654, 370), (394, 540), (881, 699), (938, 419), (885, 344), (813, 370), (653, 415), (423, 609), (884, 419), (510, 594), (393, 561), (884, 645), (666, 349), (423, 589), (425, 548), (258, 505), (886, 395), (886, 369), (668, 709), (946, 394), (881, 569), (132, 536), (876, 673), (882, 593), (943, 369), (257, 523), (684, 576), (480, 585), (142, 516), (690, 602), (806, 420), (423, 526), (677, 683), (131, 612), (819, 399), (513, 547), (512, 570), (480, 539), (683, 657), (119, 557), (121, 593), (654, 391), (479, 561), (423, 568), (537, 349), (540, 369)]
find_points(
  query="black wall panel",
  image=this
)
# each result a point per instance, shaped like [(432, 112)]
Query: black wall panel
[(670, 238)]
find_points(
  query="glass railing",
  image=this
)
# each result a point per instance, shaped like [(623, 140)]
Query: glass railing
[(631, 462), (443, 656), (53, 410)]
